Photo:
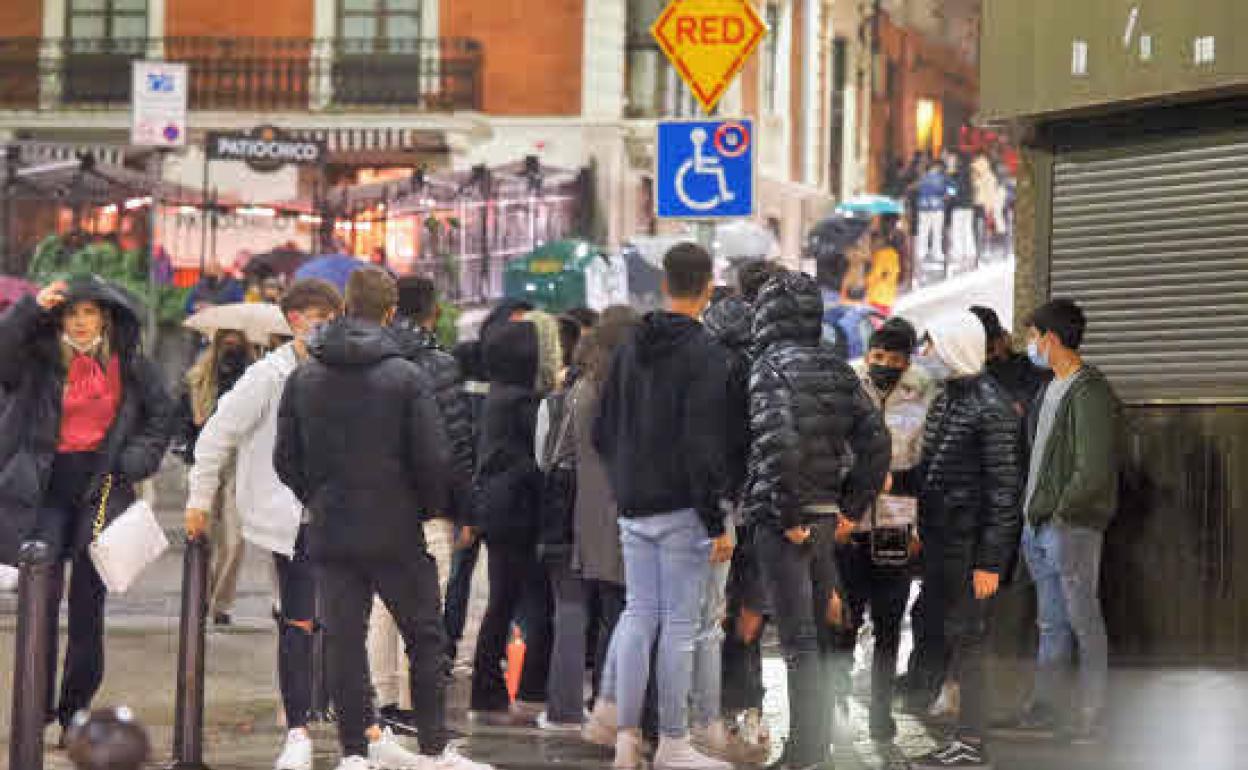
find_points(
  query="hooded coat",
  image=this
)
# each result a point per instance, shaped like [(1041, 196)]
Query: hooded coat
[(420, 346), (816, 439), (360, 443), (508, 483), (32, 383), (971, 453), (660, 427)]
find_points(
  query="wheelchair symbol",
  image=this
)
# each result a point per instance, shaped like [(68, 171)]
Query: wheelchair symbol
[(702, 165)]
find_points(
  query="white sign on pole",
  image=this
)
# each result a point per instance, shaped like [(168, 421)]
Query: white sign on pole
[(158, 112)]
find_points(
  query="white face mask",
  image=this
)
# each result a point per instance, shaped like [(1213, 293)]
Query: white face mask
[(86, 349)]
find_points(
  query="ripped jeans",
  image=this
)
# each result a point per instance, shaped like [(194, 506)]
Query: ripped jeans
[(296, 588)]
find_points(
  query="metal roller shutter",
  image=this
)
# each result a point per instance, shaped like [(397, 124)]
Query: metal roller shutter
[(1152, 240)]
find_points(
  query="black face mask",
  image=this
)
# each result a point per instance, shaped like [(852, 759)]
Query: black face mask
[(231, 364), (885, 377)]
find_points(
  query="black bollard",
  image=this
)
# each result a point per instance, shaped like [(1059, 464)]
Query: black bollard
[(30, 675), (188, 728)]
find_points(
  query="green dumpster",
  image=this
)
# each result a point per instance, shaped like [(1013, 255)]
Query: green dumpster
[(552, 276)]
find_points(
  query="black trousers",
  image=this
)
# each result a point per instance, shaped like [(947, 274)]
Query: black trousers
[(800, 579), (296, 588), (458, 592), (58, 523), (929, 660), (517, 578), (966, 634), (885, 590), (742, 660), (409, 589)]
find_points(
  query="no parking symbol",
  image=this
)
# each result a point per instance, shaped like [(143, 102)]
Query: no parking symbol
[(705, 169)]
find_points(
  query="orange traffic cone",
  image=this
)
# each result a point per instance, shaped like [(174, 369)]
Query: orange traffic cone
[(515, 661)]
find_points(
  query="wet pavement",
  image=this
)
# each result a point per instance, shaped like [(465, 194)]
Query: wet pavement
[(1161, 719)]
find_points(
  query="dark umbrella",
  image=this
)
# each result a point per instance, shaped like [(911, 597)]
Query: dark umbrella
[(335, 268), (280, 261), (12, 289), (834, 234)]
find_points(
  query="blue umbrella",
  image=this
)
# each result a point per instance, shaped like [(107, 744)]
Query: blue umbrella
[(869, 206), (335, 268)]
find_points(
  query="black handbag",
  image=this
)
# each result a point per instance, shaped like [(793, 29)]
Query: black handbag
[(558, 494)]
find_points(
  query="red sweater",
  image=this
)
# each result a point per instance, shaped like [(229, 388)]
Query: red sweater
[(92, 397)]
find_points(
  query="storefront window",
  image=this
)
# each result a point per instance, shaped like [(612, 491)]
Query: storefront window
[(106, 19)]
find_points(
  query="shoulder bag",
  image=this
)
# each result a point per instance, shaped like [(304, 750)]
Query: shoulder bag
[(128, 545)]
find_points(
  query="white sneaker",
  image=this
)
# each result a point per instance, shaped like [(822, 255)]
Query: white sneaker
[(297, 754), (602, 724), (679, 754), (388, 754), (355, 763), (451, 759), (8, 579), (627, 750)]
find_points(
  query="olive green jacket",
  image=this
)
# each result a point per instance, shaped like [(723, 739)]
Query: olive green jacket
[(1079, 475)]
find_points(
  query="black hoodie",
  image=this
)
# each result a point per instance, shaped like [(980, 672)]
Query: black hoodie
[(730, 323), (360, 443), (660, 428), (507, 481)]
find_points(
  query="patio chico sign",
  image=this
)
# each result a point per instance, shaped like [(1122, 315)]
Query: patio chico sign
[(265, 149)]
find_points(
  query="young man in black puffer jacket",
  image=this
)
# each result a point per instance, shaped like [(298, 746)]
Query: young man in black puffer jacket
[(969, 517), (819, 452)]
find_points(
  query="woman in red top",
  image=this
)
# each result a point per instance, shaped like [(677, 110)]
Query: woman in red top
[(81, 410)]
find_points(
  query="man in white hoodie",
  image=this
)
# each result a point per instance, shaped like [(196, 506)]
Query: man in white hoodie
[(969, 517), (245, 424)]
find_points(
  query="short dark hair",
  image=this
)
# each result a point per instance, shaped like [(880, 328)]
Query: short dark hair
[(753, 275), (308, 293), (991, 321), (371, 294), (897, 335), (1062, 317), (418, 298), (688, 270)]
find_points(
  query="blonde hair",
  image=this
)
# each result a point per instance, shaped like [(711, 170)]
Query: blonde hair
[(549, 350)]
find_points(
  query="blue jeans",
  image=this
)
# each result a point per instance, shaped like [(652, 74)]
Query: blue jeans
[(708, 649), (1065, 563), (666, 563)]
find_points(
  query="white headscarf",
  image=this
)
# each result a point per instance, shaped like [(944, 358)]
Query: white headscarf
[(960, 341)]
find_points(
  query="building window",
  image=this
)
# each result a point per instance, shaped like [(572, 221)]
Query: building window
[(771, 58), (654, 87), (379, 21), (106, 19)]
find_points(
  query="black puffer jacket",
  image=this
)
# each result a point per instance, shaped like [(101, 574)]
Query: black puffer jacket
[(971, 472), (32, 384), (816, 438), (360, 443), (420, 346), (730, 323), (508, 482)]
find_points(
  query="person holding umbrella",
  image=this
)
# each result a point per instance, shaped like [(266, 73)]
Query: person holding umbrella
[(84, 418)]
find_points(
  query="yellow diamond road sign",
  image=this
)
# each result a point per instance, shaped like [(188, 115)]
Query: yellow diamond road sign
[(708, 42)]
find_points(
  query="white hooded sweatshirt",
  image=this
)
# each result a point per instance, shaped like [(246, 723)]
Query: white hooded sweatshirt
[(960, 341)]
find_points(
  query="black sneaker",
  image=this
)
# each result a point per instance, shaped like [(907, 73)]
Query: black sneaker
[(1032, 723), (954, 754), (400, 721)]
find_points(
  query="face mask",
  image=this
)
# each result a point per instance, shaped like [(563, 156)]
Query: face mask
[(232, 361), (885, 378), (1039, 359), (86, 349)]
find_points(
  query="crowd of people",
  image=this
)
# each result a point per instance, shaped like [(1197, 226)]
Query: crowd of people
[(652, 492)]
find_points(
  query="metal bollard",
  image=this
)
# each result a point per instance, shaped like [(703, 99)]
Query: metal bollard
[(31, 661), (188, 729)]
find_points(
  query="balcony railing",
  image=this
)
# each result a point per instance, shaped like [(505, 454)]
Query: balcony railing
[(248, 73)]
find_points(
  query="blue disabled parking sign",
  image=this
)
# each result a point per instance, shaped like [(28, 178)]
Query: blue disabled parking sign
[(704, 169)]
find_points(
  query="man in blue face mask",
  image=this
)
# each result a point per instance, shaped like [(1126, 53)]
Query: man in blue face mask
[(1071, 495)]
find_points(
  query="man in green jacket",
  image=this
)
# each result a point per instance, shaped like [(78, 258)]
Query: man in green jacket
[(1072, 493)]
